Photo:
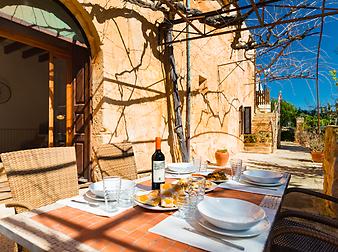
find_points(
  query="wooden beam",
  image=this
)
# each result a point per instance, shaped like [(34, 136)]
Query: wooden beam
[(31, 52), (51, 102), (12, 47), (34, 38), (44, 57)]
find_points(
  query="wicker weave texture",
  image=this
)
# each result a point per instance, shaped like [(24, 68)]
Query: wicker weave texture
[(39, 177), (117, 160)]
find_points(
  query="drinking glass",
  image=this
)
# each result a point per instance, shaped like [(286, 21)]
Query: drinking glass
[(188, 198), (126, 198), (196, 188), (236, 169), (197, 161), (111, 188)]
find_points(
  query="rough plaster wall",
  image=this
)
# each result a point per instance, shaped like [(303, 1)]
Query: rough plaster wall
[(133, 106)]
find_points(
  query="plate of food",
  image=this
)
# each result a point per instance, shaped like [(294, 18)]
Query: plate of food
[(164, 199), (209, 185), (218, 176)]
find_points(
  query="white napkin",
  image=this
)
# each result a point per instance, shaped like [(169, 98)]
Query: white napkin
[(244, 187), (97, 210), (175, 228)]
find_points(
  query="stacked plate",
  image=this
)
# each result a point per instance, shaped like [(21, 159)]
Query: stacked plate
[(232, 217), (263, 178), (180, 168), (96, 192)]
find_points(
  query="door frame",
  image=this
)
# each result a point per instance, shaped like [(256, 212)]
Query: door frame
[(56, 47)]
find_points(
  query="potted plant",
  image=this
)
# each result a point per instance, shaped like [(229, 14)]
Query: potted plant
[(315, 142), (222, 157)]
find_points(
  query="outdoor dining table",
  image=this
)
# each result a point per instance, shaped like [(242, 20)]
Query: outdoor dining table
[(58, 227)]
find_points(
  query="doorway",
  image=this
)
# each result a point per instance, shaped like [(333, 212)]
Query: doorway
[(55, 103)]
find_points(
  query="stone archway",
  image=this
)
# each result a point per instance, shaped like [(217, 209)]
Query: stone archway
[(85, 21)]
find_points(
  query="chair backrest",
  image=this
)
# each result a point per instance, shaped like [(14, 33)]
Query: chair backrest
[(116, 159), (40, 177)]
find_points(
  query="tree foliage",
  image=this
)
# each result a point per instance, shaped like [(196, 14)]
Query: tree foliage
[(289, 113)]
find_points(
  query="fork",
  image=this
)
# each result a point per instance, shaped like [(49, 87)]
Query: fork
[(271, 202), (86, 202)]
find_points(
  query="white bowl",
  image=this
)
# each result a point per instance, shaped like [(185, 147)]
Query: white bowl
[(231, 214), (97, 187), (262, 176), (181, 167)]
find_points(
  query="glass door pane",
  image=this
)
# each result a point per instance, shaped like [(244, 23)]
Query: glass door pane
[(60, 83)]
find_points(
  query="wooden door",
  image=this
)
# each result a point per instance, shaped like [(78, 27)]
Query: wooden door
[(82, 109)]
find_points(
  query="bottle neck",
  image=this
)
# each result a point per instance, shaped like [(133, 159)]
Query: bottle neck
[(157, 143)]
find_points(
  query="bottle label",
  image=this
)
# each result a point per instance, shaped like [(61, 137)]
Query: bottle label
[(158, 171)]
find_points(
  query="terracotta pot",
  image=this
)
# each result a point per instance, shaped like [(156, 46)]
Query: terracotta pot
[(317, 156), (221, 158)]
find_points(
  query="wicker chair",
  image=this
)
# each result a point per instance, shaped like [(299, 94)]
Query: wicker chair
[(115, 160), (39, 177), (302, 231)]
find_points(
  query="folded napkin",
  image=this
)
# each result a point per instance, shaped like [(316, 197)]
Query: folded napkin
[(176, 229), (245, 187), (96, 208)]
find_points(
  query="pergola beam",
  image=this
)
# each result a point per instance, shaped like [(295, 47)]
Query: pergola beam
[(266, 25), (222, 11), (254, 6), (181, 15)]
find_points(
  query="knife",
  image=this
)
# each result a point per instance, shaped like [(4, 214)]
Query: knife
[(202, 233)]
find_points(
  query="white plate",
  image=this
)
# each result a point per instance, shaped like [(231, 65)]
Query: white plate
[(213, 166), (180, 168), (180, 172), (229, 213), (92, 196), (154, 208), (213, 186), (97, 187), (219, 181), (261, 227), (263, 176), (279, 183)]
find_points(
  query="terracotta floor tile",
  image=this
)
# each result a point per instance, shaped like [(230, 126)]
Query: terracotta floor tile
[(112, 248)]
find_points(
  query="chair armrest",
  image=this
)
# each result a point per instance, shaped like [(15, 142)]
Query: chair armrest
[(85, 185), (307, 216), (18, 204), (312, 193)]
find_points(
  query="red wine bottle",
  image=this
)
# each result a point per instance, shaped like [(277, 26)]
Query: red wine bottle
[(157, 166)]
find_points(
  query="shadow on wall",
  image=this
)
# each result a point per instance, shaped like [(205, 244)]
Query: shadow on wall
[(150, 33)]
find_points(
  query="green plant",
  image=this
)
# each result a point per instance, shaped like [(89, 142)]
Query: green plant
[(223, 150), (312, 140), (250, 138), (264, 137)]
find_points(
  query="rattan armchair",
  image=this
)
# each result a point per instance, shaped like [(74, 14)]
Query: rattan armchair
[(115, 159), (302, 231), (39, 177)]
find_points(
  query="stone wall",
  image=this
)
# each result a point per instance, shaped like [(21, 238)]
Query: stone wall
[(132, 97), (299, 129), (330, 167)]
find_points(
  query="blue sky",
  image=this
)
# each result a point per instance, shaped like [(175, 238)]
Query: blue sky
[(299, 91)]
